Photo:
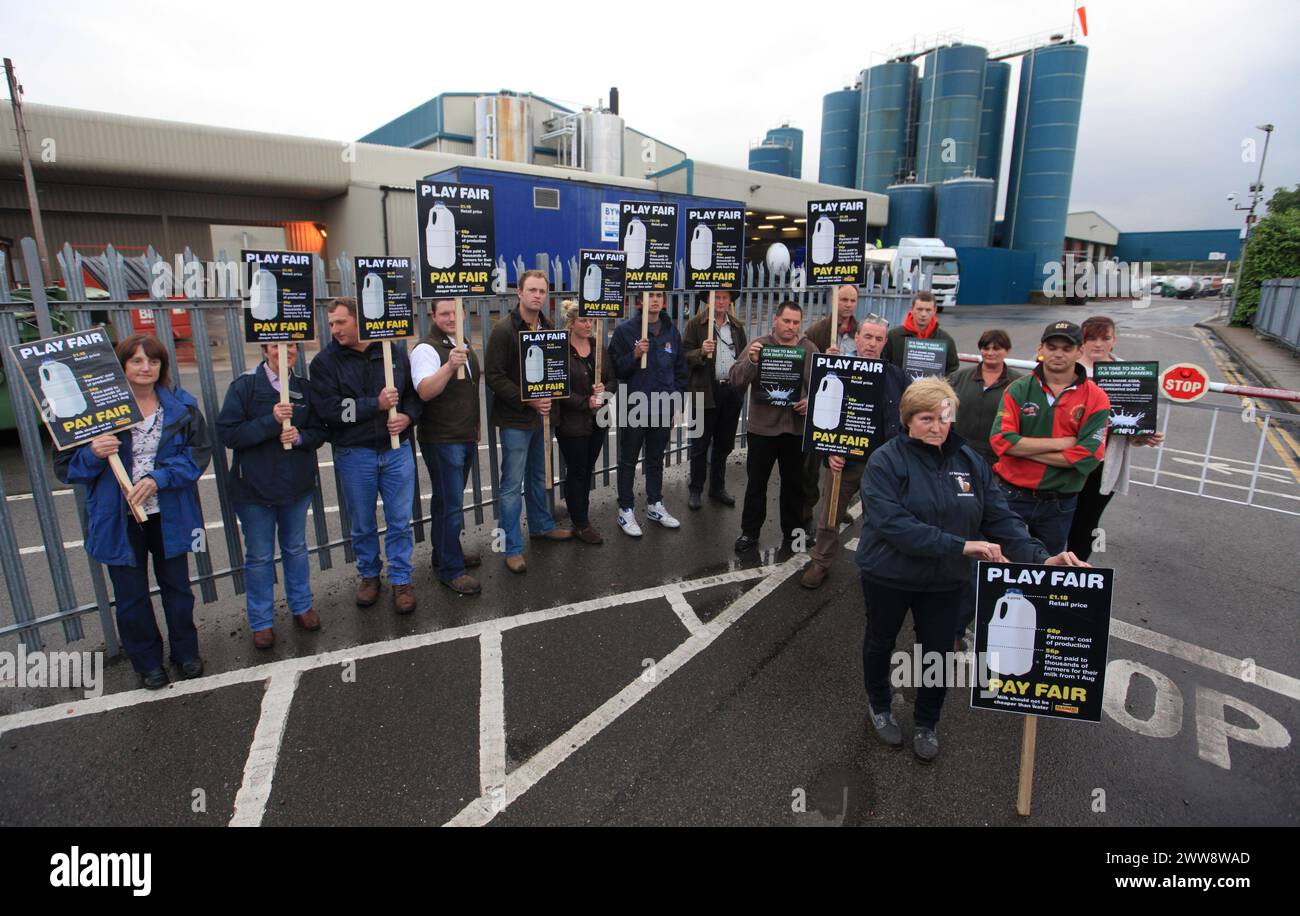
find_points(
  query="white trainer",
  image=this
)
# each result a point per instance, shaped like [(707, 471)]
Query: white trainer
[(627, 521), (657, 513)]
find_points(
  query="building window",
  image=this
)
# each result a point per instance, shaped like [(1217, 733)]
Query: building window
[(546, 198)]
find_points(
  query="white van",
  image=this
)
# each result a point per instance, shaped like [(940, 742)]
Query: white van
[(930, 259)]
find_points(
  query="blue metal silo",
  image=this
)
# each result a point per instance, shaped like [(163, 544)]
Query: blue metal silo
[(776, 160), (993, 121), (885, 125), (948, 120), (785, 135), (1042, 151), (963, 211), (838, 164), (911, 212)]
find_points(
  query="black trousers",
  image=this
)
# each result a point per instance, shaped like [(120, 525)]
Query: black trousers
[(580, 456), (764, 451), (933, 617), (710, 451), (1087, 515)]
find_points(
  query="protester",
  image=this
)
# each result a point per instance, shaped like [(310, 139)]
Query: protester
[(657, 387), (523, 447), (980, 388), (1049, 435), (449, 431), (580, 436), (348, 392), (271, 486), (843, 341), (868, 341), (921, 321), (710, 364), (164, 457), (929, 501), (1112, 475), (775, 433)]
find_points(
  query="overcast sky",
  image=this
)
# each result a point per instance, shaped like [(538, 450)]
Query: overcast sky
[(1172, 90)]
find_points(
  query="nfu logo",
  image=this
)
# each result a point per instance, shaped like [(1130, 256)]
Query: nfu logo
[(103, 869)]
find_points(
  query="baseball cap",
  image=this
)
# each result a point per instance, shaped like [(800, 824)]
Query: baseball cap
[(1067, 329)]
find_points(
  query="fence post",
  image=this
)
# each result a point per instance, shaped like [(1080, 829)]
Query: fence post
[(11, 564)]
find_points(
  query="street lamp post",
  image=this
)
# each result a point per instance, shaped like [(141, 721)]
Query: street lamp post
[(1256, 190)]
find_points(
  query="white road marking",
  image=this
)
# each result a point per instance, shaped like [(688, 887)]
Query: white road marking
[(1166, 719), (264, 751), (1209, 483), (1171, 334), (682, 608), (491, 714)]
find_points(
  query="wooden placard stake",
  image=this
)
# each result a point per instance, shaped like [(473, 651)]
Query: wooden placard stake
[(546, 438), (600, 342), (712, 319), (832, 515), (124, 481), (394, 441), (1027, 741), (645, 324), (282, 354), (460, 335)]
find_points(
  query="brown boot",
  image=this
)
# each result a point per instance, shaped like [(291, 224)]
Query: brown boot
[(589, 535), (464, 584), (473, 559), (308, 619), (814, 576), (263, 639), (368, 591), (516, 564), (555, 534), (404, 598)]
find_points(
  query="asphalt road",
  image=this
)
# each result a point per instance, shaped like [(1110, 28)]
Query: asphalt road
[(660, 681)]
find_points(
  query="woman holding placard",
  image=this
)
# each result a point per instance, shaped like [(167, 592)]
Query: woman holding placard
[(581, 438), (929, 498), (1110, 476), (271, 482), (164, 456)]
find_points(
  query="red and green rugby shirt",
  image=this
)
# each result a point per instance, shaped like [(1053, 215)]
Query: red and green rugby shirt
[(1082, 412)]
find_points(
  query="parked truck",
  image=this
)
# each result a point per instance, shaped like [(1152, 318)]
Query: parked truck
[(919, 263)]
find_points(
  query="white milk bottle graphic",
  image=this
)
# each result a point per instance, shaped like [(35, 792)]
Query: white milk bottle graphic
[(59, 387), (534, 365), (440, 237), (823, 241), (701, 248), (591, 283), (1011, 634), (263, 296), (372, 297), (634, 245), (830, 402)]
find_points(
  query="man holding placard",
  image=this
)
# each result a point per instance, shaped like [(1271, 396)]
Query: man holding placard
[(449, 432), (349, 393), (922, 325), (709, 357), (837, 336), (523, 445), (654, 390), (775, 367)]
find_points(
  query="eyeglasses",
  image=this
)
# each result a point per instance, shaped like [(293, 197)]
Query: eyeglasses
[(873, 318)]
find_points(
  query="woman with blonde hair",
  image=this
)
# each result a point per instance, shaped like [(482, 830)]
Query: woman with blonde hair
[(929, 501), (580, 437)]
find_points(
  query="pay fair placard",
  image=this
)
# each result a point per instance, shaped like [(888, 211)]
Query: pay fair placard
[(280, 307), (835, 236), (384, 297), (649, 233), (543, 365), (456, 238), (715, 241), (600, 294), (78, 385), (844, 398), (924, 358), (1041, 635), (1133, 389), (780, 375)]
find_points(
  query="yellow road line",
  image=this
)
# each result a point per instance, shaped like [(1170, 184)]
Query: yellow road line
[(1287, 456)]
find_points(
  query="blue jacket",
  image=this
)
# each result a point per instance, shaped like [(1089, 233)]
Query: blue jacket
[(341, 374), (923, 504), (262, 470), (183, 454), (666, 369)]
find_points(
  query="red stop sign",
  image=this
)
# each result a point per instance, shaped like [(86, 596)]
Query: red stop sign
[(1184, 382)]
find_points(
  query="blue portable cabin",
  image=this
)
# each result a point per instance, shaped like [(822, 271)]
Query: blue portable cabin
[(540, 213)]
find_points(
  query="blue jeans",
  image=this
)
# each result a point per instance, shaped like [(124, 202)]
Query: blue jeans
[(449, 465), (1047, 519), (523, 450), (367, 476), (259, 524), (136, 623)]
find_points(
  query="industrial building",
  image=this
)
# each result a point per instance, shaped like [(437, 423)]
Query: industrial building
[(780, 152)]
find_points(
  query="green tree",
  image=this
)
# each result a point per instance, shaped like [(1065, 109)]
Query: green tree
[(1273, 251), (1284, 200)]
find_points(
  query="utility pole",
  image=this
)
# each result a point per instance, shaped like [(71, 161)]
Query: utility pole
[(15, 98), (1256, 190)]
